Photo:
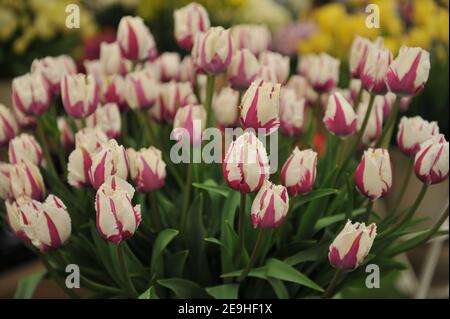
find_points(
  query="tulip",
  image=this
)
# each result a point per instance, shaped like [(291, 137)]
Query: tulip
[(190, 20), (213, 51), (340, 118), (26, 180), (117, 219), (292, 112), (8, 125), (409, 72), (111, 160), (5, 189), (270, 206), (304, 64), (352, 245), (22, 119), (358, 55), (147, 169), (373, 176), (375, 122), (167, 66), (16, 216), (225, 107), (260, 106), (30, 94), (187, 70), (431, 161), (243, 69), (25, 147), (278, 62), (386, 101), (373, 75), (299, 171), (67, 64), (172, 96), (107, 118), (323, 73), (141, 90), (191, 120), (112, 61), (53, 69), (414, 131), (135, 40), (354, 87), (300, 85), (256, 38), (66, 137), (113, 90), (94, 68), (80, 95), (267, 74)]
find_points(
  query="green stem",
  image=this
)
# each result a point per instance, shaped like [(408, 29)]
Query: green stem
[(187, 194), (253, 257), (156, 217), (369, 209), (334, 281), (45, 149), (388, 129), (241, 225), (358, 99), (405, 183), (146, 129), (209, 97), (59, 281), (126, 276)]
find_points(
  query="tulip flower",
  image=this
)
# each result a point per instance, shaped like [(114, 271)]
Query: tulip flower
[(304, 64), (94, 68), (354, 87), (25, 147), (300, 85), (375, 123), (112, 61), (409, 72), (113, 90), (225, 107), (243, 69), (431, 161), (386, 101), (267, 74), (107, 118), (66, 137), (260, 106), (16, 215), (5, 189), (270, 206), (53, 69), (190, 120), (135, 40), (117, 219), (147, 169), (111, 160), (292, 112), (246, 164), (299, 171), (80, 94), (167, 67), (373, 75), (67, 64), (352, 245), (323, 73), (358, 55), (190, 20), (31, 94), (22, 119), (173, 95), (279, 63), (414, 131), (373, 176), (8, 125), (26, 180), (141, 90), (187, 70), (256, 38), (340, 118)]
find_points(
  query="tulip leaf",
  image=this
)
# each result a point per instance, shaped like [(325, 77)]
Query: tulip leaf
[(226, 291), (259, 272), (27, 286), (215, 189), (303, 256), (279, 288), (175, 263), (183, 288), (330, 220), (228, 212), (164, 238), (150, 293), (316, 194)]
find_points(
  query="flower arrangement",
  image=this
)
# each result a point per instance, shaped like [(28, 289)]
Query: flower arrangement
[(92, 175)]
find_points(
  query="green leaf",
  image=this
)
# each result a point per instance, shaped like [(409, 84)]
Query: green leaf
[(303, 256), (149, 294), (226, 291), (226, 238), (215, 189), (27, 286), (183, 288), (316, 194), (279, 288), (164, 238), (175, 263), (259, 272), (330, 220)]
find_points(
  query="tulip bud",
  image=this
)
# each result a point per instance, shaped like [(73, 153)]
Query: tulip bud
[(190, 20), (292, 112), (323, 72), (135, 40), (147, 169), (16, 215), (94, 68), (107, 118), (243, 69), (80, 94), (354, 87), (187, 70), (5, 189), (67, 64), (267, 74), (270, 206), (373, 176), (30, 94), (352, 245), (22, 119), (358, 55), (172, 96), (25, 147), (386, 101), (191, 120), (340, 118), (256, 38), (375, 123), (111, 160), (213, 50), (373, 75), (117, 218), (225, 107), (414, 131), (300, 85), (141, 90), (246, 164), (299, 171), (409, 71), (431, 161), (66, 137), (53, 69), (304, 64), (113, 90), (112, 61), (260, 106), (26, 180), (8, 125), (167, 67), (278, 62)]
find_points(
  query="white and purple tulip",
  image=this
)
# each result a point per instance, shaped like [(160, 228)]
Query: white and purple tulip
[(270, 206), (299, 171), (431, 161), (340, 118), (147, 169), (414, 131), (80, 94)]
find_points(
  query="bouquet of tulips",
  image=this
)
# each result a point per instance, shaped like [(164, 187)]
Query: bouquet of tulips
[(157, 177)]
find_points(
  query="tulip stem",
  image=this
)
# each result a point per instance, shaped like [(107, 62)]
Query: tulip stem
[(388, 129), (253, 256), (45, 149), (209, 97), (358, 99), (405, 183), (241, 225), (334, 281), (369, 209), (156, 217), (123, 266), (187, 193)]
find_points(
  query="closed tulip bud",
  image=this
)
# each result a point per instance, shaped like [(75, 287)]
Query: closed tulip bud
[(358, 55), (172, 96), (5, 189), (111, 160), (107, 119), (246, 164), (278, 62), (299, 84), (53, 69), (340, 118), (31, 94), (373, 176), (386, 101), (94, 68), (256, 38), (270, 206), (292, 112), (25, 147), (167, 66), (117, 219), (135, 40), (17, 215), (67, 64), (80, 95), (147, 169), (187, 70), (26, 180), (8, 125), (191, 120), (66, 137), (113, 90), (243, 69), (267, 74), (260, 106), (375, 123), (414, 131), (299, 171), (225, 107), (190, 20), (323, 73), (213, 50), (22, 119), (354, 87), (141, 90), (431, 161), (409, 72), (373, 75), (352, 245), (304, 64), (112, 61)]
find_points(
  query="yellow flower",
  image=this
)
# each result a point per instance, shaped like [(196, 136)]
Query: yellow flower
[(418, 37), (423, 11), (392, 43), (390, 21), (319, 42), (443, 26), (8, 23), (328, 15)]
